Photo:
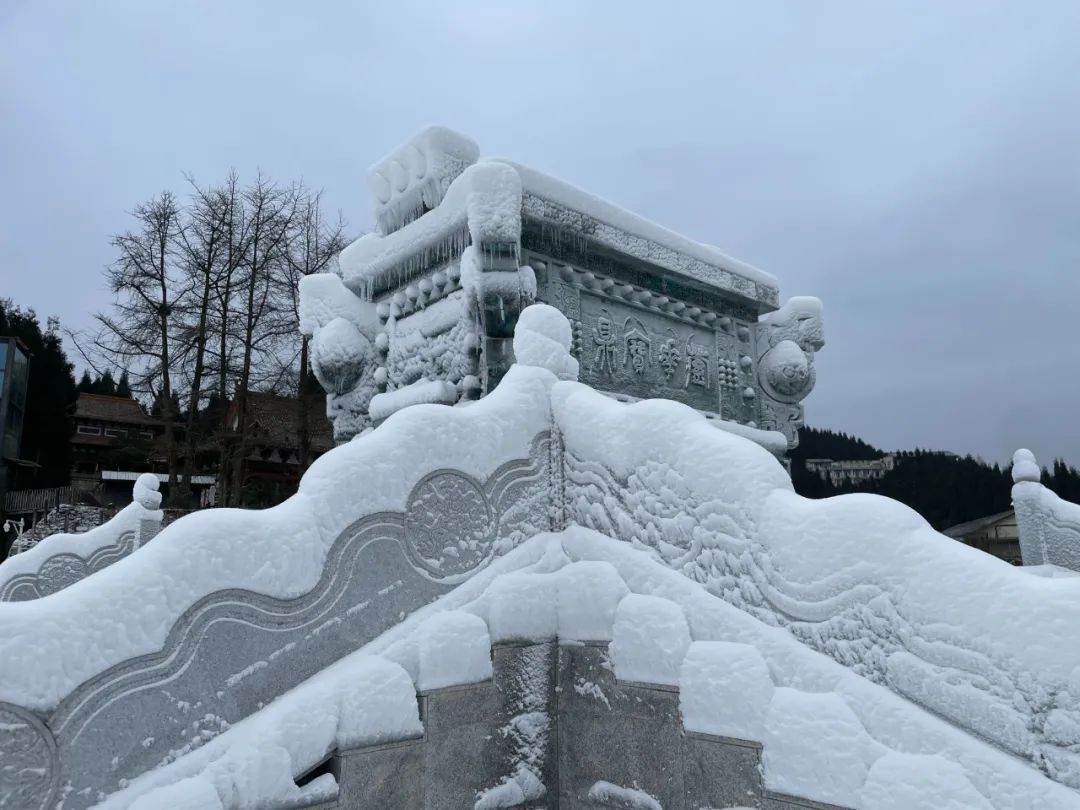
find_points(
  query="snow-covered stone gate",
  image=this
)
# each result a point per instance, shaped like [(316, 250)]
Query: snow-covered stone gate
[(423, 310)]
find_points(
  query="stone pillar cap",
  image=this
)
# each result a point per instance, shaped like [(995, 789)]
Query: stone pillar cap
[(1025, 467)]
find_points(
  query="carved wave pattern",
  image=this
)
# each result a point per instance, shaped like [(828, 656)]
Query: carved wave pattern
[(61, 570), (854, 621)]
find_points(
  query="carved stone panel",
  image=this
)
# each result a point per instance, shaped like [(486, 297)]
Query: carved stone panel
[(735, 370), (29, 770), (449, 526), (233, 651), (62, 570), (645, 354)]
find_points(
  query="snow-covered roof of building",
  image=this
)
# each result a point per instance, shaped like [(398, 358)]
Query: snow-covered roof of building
[(423, 191), (106, 408), (961, 529)]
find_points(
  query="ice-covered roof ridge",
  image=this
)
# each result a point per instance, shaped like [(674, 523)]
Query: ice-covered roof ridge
[(423, 189), (482, 197), (553, 189), (737, 678)]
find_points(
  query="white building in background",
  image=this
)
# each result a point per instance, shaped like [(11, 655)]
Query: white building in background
[(855, 472)]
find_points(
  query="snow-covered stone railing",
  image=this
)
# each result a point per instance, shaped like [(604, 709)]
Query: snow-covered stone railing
[(1049, 526), (61, 560), (227, 608), (861, 578), (662, 694)]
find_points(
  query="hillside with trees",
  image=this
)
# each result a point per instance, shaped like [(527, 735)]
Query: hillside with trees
[(944, 488)]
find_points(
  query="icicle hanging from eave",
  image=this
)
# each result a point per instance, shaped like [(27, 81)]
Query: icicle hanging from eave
[(411, 204), (556, 235), (492, 252), (438, 252)]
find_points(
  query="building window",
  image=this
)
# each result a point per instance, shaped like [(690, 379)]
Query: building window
[(89, 430), (146, 434), (116, 433)]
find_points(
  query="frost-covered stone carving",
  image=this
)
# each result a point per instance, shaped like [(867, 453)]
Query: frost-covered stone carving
[(604, 340), (624, 485), (1049, 526), (465, 244), (544, 338), (343, 350), (63, 559), (387, 524), (449, 526), (414, 178), (340, 354), (638, 346), (235, 649), (697, 365), (669, 357), (786, 372), (28, 761), (787, 341)]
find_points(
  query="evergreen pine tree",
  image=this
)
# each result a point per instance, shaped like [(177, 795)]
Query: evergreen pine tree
[(50, 395), (86, 385), (123, 388), (107, 385)]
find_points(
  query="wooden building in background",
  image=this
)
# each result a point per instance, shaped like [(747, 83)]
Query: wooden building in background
[(994, 534)]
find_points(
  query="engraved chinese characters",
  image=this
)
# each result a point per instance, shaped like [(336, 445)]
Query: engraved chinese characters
[(697, 364), (638, 346), (647, 354), (669, 356), (604, 340)]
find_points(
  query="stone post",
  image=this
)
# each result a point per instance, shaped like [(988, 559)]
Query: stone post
[(499, 307), (1049, 527)]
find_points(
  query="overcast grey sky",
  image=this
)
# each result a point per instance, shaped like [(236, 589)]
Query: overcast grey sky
[(914, 164)]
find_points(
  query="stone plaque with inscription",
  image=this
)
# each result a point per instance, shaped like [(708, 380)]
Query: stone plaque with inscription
[(646, 354)]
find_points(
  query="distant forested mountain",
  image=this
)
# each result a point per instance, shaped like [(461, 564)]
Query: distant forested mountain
[(815, 443), (944, 488)]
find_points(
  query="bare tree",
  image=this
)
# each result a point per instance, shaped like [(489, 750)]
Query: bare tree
[(313, 247), (271, 212), (221, 335), (138, 333), (203, 247), (207, 310)]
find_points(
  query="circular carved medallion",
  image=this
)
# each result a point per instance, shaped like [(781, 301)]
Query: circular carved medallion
[(785, 372), (449, 527), (29, 768), (59, 572)]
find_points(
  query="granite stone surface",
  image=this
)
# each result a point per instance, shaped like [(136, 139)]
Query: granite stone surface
[(599, 729)]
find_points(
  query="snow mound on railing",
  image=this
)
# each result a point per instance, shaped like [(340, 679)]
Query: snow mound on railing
[(861, 578), (145, 506)]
